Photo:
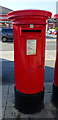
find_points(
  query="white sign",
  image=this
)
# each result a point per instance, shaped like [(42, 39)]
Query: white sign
[(31, 47), (31, 26)]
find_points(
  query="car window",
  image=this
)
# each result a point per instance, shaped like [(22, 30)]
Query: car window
[(7, 30)]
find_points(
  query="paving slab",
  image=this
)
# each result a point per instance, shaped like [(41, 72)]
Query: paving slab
[(10, 112), (3, 111), (11, 89), (5, 89), (10, 100), (48, 87), (0, 111), (0, 117), (0, 101), (43, 114), (4, 101)]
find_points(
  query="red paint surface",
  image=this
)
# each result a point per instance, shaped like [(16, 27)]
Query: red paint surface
[(56, 64), (56, 16), (29, 69), (56, 72)]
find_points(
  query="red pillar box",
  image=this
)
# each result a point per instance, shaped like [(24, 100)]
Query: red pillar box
[(55, 85), (29, 57)]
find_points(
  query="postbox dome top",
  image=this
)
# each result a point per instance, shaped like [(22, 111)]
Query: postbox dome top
[(56, 16), (21, 13)]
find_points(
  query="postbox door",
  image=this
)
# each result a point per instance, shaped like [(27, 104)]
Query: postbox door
[(30, 64)]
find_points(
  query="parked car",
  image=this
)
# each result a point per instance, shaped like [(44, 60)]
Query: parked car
[(55, 32), (6, 34)]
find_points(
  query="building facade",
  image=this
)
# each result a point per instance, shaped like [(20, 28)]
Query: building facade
[(4, 21)]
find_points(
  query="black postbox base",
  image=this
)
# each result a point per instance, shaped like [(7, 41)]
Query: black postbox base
[(55, 95), (29, 103)]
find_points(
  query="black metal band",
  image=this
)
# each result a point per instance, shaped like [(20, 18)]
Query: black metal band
[(55, 95), (29, 103)]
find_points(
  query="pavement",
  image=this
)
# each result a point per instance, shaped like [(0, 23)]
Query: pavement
[(8, 105), (7, 99)]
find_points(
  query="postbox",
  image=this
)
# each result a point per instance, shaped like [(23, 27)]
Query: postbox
[(29, 57), (55, 84)]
